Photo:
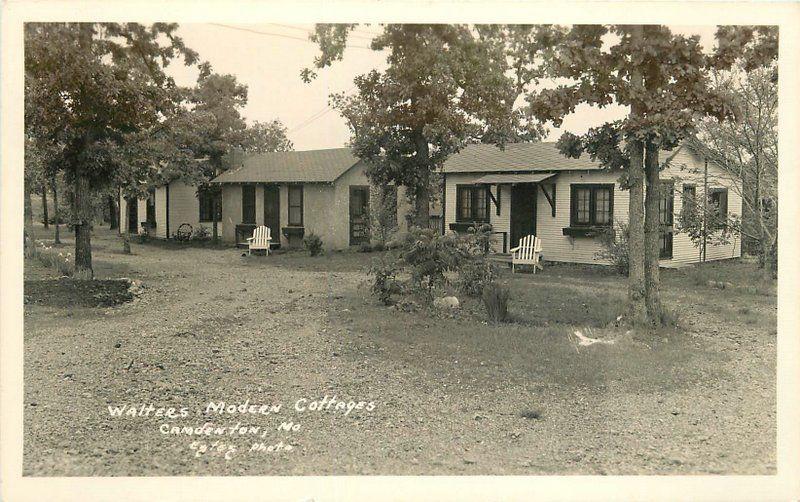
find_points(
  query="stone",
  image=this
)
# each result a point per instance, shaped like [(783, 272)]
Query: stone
[(446, 302)]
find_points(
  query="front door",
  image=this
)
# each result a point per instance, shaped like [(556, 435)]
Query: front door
[(523, 211), (272, 210), (249, 204), (133, 215), (359, 215)]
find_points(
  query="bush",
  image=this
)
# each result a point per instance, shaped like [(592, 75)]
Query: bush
[(378, 246), (200, 233), (429, 256), (313, 243), (495, 299), (365, 247), (475, 275), (384, 284), (479, 238), (614, 242)]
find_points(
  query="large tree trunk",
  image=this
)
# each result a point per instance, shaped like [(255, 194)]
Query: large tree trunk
[(44, 206), (637, 309), (652, 232), (112, 213), (422, 196), (83, 223), (56, 215)]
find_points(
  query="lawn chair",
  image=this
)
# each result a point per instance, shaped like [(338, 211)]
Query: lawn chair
[(260, 240), (528, 252)]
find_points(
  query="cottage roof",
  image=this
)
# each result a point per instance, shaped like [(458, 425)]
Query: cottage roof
[(542, 156), (311, 166)]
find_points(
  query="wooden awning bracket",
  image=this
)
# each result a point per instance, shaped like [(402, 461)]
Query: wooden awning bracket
[(497, 200), (551, 197)]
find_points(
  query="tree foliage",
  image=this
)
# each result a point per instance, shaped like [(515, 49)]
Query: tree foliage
[(445, 86)]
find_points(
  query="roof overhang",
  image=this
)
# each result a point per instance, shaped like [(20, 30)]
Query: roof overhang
[(496, 179)]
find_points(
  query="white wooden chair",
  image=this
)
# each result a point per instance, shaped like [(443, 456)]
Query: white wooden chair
[(528, 252), (260, 240)]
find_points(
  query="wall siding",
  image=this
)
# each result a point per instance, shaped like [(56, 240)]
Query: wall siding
[(685, 167)]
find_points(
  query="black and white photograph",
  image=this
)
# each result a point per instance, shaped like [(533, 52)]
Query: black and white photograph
[(377, 247)]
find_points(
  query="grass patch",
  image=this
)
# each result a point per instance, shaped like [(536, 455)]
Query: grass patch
[(544, 304)]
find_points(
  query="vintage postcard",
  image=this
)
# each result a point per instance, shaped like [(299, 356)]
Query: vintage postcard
[(399, 250)]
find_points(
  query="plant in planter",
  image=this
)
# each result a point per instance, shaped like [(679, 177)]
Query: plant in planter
[(313, 243)]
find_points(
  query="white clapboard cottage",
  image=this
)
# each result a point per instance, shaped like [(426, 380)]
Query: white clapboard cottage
[(530, 188)]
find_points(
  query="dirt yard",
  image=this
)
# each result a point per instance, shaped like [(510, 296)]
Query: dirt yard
[(438, 393)]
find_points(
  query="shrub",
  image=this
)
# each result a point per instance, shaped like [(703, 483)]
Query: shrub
[(479, 238), (200, 233), (384, 284), (313, 243), (429, 256), (614, 242), (495, 299), (365, 247), (378, 246), (474, 275)]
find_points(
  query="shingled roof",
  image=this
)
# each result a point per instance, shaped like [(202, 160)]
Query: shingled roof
[(311, 166), (543, 156)]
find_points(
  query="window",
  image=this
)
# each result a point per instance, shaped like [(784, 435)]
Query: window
[(689, 199), (296, 205), (591, 205), (210, 205), (248, 204), (471, 203), (666, 210), (717, 207)]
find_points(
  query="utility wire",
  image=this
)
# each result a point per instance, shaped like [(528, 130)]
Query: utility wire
[(304, 30), (281, 35), (316, 116)]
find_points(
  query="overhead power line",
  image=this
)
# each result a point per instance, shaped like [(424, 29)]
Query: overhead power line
[(281, 35), (316, 116)]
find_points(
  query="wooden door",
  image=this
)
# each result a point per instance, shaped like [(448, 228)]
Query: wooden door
[(359, 215), (272, 209), (523, 211), (249, 204)]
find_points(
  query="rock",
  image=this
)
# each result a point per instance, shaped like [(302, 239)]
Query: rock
[(470, 460), (446, 302)]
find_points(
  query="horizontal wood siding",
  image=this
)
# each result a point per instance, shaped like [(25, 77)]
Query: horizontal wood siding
[(687, 168), (562, 248)]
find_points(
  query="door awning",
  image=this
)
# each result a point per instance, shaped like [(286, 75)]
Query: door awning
[(494, 179)]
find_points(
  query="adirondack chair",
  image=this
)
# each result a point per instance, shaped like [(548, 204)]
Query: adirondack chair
[(260, 240), (528, 252)]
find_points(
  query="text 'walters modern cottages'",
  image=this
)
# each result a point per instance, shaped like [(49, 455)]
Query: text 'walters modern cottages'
[(530, 188)]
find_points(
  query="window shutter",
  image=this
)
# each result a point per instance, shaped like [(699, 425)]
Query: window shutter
[(723, 203)]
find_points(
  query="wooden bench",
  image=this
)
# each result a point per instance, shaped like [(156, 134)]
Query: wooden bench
[(528, 252), (261, 239)]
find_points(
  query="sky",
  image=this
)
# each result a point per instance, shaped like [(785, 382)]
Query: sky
[(268, 58)]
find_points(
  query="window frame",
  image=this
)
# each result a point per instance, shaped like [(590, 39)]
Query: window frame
[(666, 228), (719, 191), (289, 205), (215, 202), (593, 189), (474, 190)]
